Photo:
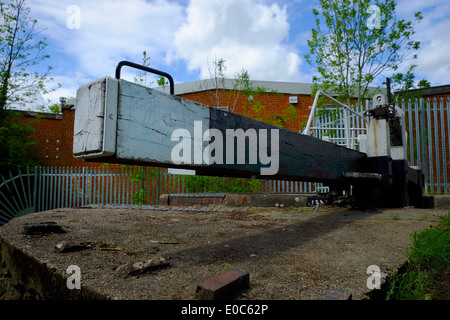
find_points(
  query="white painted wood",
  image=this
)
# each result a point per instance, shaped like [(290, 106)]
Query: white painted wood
[(378, 138), (181, 172), (362, 142), (110, 120), (147, 118), (94, 134)]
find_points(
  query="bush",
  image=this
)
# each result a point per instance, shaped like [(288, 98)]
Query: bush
[(196, 184), (16, 148)]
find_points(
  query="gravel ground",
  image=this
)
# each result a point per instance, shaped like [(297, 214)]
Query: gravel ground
[(290, 253)]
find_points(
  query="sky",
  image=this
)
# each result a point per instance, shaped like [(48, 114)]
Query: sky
[(87, 39)]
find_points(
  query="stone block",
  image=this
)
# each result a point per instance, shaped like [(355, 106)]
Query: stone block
[(222, 286)]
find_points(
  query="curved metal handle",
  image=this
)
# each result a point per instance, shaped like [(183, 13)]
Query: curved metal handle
[(148, 69)]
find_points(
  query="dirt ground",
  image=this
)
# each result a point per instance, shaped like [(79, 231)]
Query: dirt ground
[(290, 253)]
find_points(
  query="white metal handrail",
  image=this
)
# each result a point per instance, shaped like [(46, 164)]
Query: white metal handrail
[(309, 128)]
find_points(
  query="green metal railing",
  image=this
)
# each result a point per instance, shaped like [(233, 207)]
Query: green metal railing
[(47, 188)]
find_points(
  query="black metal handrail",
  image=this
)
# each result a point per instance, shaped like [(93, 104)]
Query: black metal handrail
[(148, 69)]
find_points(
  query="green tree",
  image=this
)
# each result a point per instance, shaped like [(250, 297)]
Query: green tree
[(356, 41), (141, 78), (21, 48), (55, 108), (215, 83), (16, 148), (162, 82), (403, 83)]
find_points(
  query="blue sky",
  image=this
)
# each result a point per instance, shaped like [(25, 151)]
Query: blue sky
[(266, 37)]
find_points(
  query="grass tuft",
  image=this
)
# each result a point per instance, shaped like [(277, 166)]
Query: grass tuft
[(428, 258)]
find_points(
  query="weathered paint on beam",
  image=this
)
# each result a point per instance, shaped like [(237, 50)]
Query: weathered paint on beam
[(96, 119), (146, 120), (140, 123)]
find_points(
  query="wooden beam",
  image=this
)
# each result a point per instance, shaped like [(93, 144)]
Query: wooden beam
[(117, 121)]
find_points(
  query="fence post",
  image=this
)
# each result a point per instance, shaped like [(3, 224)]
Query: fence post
[(419, 142), (83, 177), (158, 186), (443, 145), (436, 146), (35, 189), (448, 128)]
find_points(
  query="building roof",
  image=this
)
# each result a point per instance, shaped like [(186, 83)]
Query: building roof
[(281, 87), (33, 114), (297, 88), (437, 90)]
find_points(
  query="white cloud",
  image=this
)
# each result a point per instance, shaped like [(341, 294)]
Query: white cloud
[(110, 31), (433, 63), (246, 33)]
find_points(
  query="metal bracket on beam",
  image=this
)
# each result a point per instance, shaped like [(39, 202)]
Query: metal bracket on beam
[(148, 69)]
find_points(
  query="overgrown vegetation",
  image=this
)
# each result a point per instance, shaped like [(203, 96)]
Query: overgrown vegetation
[(140, 176), (428, 260), (16, 148), (196, 184)]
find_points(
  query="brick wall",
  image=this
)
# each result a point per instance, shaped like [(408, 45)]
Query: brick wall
[(54, 137), (272, 104), (183, 200), (47, 135)]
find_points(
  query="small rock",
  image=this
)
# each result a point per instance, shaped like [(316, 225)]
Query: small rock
[(124, 269), (64, 247), (142, 267)]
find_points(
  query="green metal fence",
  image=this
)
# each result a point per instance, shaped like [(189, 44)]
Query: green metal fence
[(46, 188)]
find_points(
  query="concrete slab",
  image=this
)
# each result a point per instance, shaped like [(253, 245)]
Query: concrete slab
[(289, 253)]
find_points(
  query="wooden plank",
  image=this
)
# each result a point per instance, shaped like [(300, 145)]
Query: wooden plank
[(157, 129)]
